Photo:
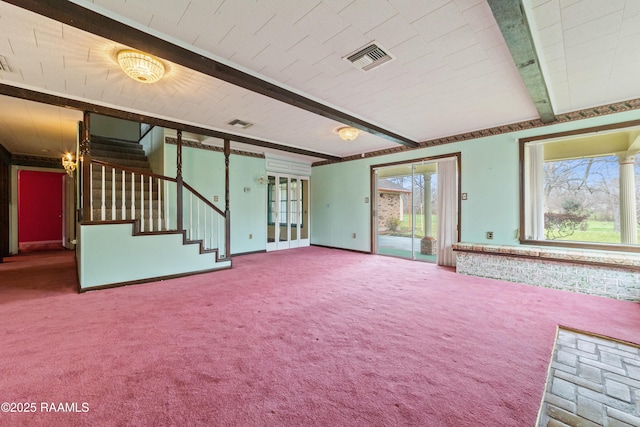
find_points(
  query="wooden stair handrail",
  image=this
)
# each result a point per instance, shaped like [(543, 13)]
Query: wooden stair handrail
[(204, 199), (132, 170)]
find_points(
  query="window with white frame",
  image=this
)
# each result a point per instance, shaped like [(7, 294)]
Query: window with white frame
[(582, 190)]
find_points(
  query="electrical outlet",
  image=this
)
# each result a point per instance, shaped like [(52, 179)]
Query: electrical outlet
[(215, 198), (464, 196), (250, 236), (489, 235), (354, 235)]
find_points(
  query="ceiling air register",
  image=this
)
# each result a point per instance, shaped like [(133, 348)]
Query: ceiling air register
[(369, 57)]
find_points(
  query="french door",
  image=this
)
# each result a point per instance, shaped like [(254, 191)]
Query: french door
[(287, 211)]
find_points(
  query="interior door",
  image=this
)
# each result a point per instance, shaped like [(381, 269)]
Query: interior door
[(287, 211)]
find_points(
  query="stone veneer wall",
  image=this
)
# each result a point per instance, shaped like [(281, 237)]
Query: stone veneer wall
[(619, 280)]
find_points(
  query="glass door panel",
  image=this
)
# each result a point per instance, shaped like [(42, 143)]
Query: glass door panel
[(304, 217), (394, 214), (284, 212), (404, 211), (294, 212), (273, 231)]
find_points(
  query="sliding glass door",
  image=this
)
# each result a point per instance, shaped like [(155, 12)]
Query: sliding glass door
[(287, 211), (408, 211)]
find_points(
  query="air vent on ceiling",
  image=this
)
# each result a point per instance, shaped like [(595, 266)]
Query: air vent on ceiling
[(369, 57), (4, 66), (240, 124)]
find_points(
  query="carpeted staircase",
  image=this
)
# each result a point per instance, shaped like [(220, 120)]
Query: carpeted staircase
[(128, 154), (131, 156)]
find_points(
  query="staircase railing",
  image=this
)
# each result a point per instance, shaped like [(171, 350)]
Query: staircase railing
[(117, 193), (203, 220)]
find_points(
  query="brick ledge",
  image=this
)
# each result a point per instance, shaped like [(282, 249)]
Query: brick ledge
[(623, 260)]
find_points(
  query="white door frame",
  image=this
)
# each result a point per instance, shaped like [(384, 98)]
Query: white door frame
[(278, 243)]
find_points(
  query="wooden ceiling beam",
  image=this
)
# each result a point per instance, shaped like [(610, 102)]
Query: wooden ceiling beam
[(75, 104), (511, 19)]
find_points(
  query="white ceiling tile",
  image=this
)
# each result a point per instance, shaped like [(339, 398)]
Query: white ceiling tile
[(545, 15), (468, 4), (466, 58), (392, 32), (365, 15), (439, 22), (411, 50), (549, 35), (455, 41), (536, 3), (347, 41), (284, 40), (585, 11), (630, 25), (479, 17), (247, 15), (413, 10), (593, 29), (309, 51), (288, 10), (321, 23), (337, 5)]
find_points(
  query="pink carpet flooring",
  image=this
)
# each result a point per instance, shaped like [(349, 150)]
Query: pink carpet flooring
[(305, 337)]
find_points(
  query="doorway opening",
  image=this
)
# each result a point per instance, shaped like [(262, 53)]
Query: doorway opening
[(40, 210), (416, 212)]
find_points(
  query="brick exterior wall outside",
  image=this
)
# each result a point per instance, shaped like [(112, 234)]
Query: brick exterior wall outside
[(389, 206)]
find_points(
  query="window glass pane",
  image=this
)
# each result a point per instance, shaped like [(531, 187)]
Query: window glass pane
[(584, 189)]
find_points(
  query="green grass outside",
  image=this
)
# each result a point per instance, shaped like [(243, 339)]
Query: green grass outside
[(597, 231)]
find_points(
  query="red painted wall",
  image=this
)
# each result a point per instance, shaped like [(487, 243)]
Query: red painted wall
[(39, 206)]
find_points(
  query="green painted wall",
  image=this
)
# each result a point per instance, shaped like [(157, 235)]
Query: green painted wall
[(204, 171), (101, 263), (489, 176)]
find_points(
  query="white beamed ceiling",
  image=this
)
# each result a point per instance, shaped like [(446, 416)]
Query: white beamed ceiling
[(452, 71)]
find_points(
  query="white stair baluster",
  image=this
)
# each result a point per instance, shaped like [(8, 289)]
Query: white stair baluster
[(141, 203), (90, 191), (166, 205), (198, 219), (218, 234), (190, 215), (212, 231), (159, 205), (133, 195), (103, 208), (124, 209), (150, 204), (113, 194), (204, 239)]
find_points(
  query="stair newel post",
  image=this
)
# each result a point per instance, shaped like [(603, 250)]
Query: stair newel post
[(227, 212), (85, 158), (179, 204)]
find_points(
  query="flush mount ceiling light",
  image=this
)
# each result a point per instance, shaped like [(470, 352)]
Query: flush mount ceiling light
[(348, 133), (140, 66)]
